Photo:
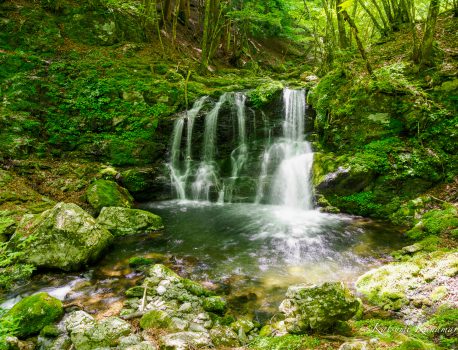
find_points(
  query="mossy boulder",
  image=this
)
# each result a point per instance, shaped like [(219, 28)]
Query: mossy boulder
[(33, 313), (105, 193), (436, 222), (264, 93), (140, 182), (123, 221), (318, 308), (214, 304), (387, 285), (65, 237), (345, 181), (400, 284)]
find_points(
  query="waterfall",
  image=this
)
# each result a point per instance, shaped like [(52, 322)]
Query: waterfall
[(179, 178), (239, 155), (206, 175), (291, 157), (286, 162)]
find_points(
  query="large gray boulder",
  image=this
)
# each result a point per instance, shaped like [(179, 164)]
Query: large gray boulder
[(319, 308), (123, 221), (65, 237)]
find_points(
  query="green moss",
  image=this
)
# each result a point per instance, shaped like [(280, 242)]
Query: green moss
[(104, 193), (286, 342), (196, 288), (135, 292), (134, 180), (155, 319), (264, 93), (445, 321), (435, 222), (214, 304), (34, 313), (140, 261), (362, 203), (50, 331), (414, 344)]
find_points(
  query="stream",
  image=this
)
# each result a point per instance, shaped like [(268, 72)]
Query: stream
[(248, 246)]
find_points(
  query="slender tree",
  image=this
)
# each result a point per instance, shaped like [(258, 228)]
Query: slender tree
[(359, 43), (430, 29)]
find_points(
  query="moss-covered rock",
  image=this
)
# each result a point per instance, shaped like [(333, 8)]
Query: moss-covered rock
[(155, 319), (264, 93), (123, 221), (105, 193), (436, 222), (401, 284), (310, 307), (65, 237), (141, 182), (214, 304), (33, 313), (140, 261), (345, 181)]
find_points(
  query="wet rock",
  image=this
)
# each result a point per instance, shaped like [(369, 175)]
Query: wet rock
[(33, 313), (345, 181), (123, 221), (186, 341), (65, 237), (310, 307), (105, 193)]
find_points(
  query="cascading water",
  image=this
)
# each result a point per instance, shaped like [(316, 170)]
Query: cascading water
[(292, 157), (284, 172), (207, 176), (178, 177)]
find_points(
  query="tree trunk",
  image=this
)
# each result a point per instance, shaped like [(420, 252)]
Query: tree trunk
[(343, 39), (206, 34), (428, 37), (371, 15), (361, 49), (382, 17), (168, 7)]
